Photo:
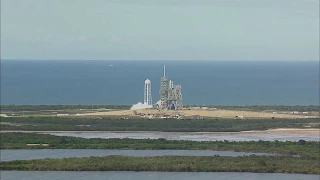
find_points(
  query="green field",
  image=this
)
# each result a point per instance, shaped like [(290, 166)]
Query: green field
[(142, 124), (262, 164)]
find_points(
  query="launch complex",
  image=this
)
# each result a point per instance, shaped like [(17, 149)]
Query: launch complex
[(170, 95)]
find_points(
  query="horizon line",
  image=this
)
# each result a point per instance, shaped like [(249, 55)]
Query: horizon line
[(7, 59)]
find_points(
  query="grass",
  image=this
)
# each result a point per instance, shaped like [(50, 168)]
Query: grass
[(257, 164), (168, 125)]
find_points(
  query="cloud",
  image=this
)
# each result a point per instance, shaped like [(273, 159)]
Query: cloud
[(139, 105)]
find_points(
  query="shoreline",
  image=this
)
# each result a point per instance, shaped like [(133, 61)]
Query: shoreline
[(280, 130)]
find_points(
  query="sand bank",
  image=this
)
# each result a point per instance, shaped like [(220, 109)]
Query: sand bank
[(281, 130)]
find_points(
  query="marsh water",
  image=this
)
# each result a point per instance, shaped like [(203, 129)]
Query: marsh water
[(25, 154), (124, 175), (198, 136), (7, 155)]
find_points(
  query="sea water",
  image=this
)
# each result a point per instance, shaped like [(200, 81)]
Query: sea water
[(122, 82)]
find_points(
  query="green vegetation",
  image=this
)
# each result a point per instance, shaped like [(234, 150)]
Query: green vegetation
[(306, 161), (262, 164), (169, 125), (20, 141)]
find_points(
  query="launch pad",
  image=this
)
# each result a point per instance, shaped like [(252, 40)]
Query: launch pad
[(170, 94)]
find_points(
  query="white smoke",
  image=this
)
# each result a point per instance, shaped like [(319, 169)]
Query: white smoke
[(139, 105)]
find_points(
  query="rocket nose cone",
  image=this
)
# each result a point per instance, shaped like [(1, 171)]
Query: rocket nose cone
[(147, 81)]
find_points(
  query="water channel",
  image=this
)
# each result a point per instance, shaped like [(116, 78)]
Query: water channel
[(124, 175), (198, 136)]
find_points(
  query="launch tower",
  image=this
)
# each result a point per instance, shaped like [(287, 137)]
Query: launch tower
[(170, 94)]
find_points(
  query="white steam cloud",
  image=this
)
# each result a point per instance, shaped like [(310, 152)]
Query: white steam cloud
[(139, 105)]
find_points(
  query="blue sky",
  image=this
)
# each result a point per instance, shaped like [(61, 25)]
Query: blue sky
[(160, 30)]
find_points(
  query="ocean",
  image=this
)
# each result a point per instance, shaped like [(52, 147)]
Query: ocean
[(122, 82)]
